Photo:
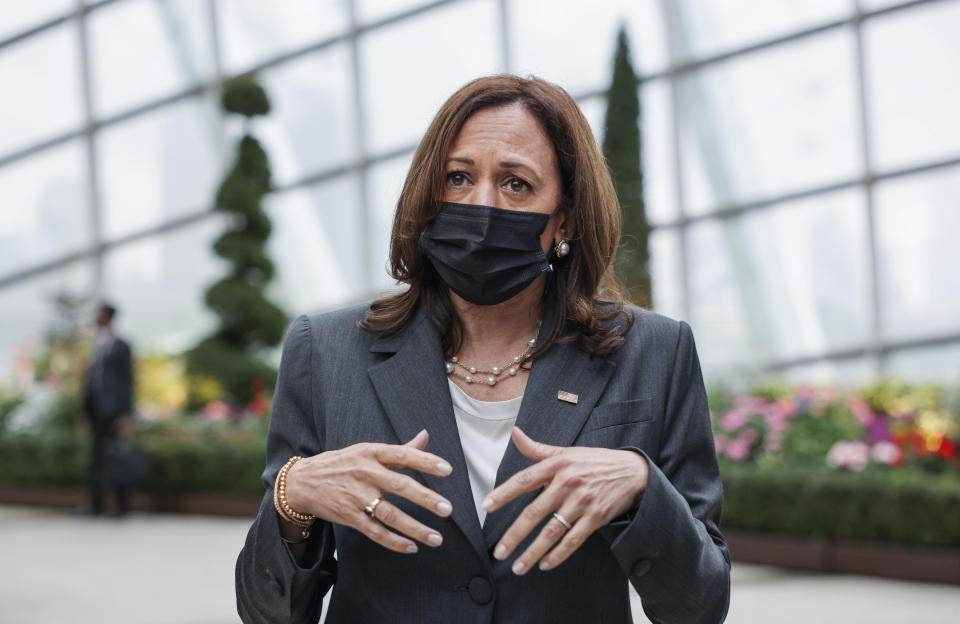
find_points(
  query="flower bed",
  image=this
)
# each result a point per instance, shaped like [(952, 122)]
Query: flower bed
[(878, 465), (875, 466)]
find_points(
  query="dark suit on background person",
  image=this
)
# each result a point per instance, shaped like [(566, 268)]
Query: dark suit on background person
[(108, 396)]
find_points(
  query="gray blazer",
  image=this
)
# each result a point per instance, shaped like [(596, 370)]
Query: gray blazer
[(338, 386)]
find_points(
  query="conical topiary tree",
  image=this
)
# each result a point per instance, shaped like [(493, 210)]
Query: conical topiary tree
[(249, 322), (621, 147)]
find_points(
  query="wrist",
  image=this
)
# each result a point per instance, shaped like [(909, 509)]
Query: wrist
[(302, 520)]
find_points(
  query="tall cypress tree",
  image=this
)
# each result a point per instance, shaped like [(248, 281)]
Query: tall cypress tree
[(621, 147), (249, 322)]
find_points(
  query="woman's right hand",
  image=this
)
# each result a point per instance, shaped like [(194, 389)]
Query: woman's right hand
[(336, 485)]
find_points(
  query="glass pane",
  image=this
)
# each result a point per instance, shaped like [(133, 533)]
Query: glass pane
[(41, 87), (21, 16), (27, 312), (141, 50), (666, 272), (872, 5), (374, 10), (595, 110), (912, 59), (45, 207), (657, 153), (158, 286), (435, 55), (159, 166), (786, 281), (252, 31), (385, 183), (939, 364), (311, 126), (656, 137), (843, 373), (705, 27), (573, 43), (317, 246), (919, 260), (769, 123)]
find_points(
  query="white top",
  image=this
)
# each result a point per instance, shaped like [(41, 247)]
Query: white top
[(484, 428)]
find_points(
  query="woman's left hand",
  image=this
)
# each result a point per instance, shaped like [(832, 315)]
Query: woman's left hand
[(588, 486)]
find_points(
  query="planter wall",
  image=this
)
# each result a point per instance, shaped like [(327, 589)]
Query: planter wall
[(939, 565), (189, 503)]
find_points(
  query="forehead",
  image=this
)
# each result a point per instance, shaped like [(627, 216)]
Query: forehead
[(508, 129)]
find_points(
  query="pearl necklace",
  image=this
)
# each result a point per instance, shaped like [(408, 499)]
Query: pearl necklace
[(495, 374)]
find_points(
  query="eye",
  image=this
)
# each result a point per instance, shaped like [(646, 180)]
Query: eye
[(456, 178), (518, 185)]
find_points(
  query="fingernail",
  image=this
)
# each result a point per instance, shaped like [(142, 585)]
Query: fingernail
[(444, 507), (500, 551), (411, 548), (444, 467), (544, 565), (487, 504), (435, 539), (518, 567)]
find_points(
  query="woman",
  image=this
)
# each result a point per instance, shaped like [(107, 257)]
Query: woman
[(439, 508)]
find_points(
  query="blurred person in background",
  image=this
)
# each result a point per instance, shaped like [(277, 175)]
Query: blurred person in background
[(107, 406), (545, 441)]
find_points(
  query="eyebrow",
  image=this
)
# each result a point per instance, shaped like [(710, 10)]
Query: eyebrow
[(506, 164)]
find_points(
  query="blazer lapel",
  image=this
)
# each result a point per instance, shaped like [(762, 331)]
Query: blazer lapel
[(412, 388), (547, 419)]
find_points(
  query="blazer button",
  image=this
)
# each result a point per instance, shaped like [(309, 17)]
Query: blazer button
[(481, 591), (641, 567)]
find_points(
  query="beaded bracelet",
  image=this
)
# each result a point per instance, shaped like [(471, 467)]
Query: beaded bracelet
[(304, 521)]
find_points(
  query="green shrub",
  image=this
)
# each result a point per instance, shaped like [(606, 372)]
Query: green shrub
[(809, 438), (889, 506), (197, 463)]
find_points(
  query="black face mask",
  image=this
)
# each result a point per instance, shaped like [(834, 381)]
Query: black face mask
[(485, 254)]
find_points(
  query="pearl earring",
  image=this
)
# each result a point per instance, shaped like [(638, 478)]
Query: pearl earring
[(562, 248)]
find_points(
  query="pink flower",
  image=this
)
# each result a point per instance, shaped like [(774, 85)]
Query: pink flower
[(734, 419), (217, 410), (786, 407), (860, 410), (885, 452), (749, 403), (851, 455), (772, 441), (738, 450), (748, 435)]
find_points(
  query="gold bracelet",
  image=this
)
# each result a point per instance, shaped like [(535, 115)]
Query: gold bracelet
[(280, 499)]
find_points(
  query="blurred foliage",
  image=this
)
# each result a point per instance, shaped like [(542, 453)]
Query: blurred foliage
[(884, 505), (896, 397), (877, 464), (162, 385), (622, 150), (9, 400), (244, 96), (811, 435), (186, 456), (249, 323)]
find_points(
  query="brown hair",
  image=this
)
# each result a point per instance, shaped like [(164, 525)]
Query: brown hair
[(582, 289)]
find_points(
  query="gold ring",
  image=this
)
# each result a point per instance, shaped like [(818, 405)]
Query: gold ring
[(371, 509), (562, 520)]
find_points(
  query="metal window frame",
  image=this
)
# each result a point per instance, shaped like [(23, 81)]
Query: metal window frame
[(876, 348)]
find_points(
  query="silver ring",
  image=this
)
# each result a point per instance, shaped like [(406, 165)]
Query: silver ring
[(562, 520), (372, 508)]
